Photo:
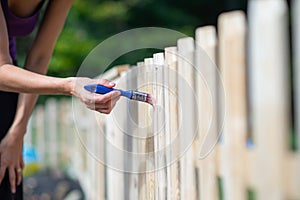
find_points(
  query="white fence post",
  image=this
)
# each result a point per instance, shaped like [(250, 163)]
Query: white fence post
[(151, 174), (142, 136), (232, 61), (186, 123), (296, 63), (115, 147), (172, 116), (206, 43), (269, 93), (40, 135), (296, 43), (159, 130), (51, 131)]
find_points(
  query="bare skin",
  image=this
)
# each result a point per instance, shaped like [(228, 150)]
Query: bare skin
[(31, 80)]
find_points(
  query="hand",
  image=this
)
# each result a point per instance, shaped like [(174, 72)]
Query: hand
[(11, 157), (101, 103)]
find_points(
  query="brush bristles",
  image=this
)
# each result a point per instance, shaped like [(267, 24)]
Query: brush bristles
[(150, 100), (144, 97)]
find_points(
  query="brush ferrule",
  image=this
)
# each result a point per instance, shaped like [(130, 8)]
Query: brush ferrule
[(127, 94), (139, 96)]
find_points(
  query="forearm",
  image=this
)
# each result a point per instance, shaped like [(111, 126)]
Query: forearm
[(26, 103), (14, 79)]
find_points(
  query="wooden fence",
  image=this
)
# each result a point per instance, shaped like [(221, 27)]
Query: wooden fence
[(140, 152)]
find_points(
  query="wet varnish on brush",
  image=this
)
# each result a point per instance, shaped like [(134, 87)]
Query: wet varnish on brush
[(130, 94)]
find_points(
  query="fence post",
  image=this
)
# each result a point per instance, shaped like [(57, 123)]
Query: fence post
[(206, 43), (269, 93), (115, 145), (151, 179), (166, 125), (172, 156), (296, 64), (28, 139), (232, 29), (65, 129), (100, 165), (90, 150), (132, 141), (78, 161), (40, 134), (159, 130), (51, 132), (186, 123), (142, 133), (296, 43)]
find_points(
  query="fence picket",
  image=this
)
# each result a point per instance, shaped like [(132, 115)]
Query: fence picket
[(159, 131), (115, 145), (172, 155), (141, 134), (40, 135), (100, 167), (206, 73), (51, 132), (269, 93), (296, 39), (232, 61), (149, 88), (296, 45), (187, 124), (133, 142)]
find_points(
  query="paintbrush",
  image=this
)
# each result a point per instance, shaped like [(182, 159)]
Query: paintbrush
[(130, 94)]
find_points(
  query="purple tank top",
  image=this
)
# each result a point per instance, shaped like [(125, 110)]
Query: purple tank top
[(17, 26)]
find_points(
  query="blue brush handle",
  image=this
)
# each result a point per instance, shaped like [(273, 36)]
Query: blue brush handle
[(100, 89)]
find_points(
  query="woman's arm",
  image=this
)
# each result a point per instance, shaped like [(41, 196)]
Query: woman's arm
[(40, 53), (38, 58), (32, 81), (37, 61)]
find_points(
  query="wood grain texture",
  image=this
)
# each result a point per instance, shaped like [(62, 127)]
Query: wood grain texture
[(206, 43), (142, 134), (159, 131), (186, 123), (232, 61), (172, 116), (149, 88)]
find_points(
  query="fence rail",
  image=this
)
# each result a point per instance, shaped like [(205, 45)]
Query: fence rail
[(166, 152)]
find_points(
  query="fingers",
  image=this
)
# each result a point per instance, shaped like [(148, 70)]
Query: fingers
[(22, 164), (101, 99), (19, 175), (2, 172), (107, 106), (102, 103), (12, 179), (15, 174), (106, 83), (20, 169)]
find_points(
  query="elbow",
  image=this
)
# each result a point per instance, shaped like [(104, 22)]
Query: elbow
[(6, 60)]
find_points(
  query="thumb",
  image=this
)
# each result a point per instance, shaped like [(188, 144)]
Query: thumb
[(106, 83)]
